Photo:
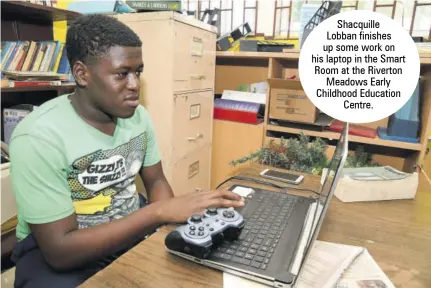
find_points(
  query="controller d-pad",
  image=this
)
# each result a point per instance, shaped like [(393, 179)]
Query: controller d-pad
[(228, 214)]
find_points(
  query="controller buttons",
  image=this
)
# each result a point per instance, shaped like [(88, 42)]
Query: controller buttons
[(201, 233), (222, 223), (192, 227), (208, 225), (216, 220), (201, 228), (192, 232), (211, 229), (196, 218)]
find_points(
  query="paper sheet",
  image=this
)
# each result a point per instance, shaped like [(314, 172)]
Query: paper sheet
[(259, 98), (326, 263), (364, 273)]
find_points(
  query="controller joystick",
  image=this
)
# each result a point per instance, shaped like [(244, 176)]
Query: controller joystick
[(212, 211), (200, 234), (228, 214), (196, 218)]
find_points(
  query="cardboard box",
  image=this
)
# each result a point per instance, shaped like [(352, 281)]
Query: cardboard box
[(288, 101)]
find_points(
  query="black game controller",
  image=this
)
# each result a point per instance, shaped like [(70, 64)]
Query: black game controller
[(198, 236)]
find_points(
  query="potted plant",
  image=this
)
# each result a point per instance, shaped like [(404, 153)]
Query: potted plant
[(302, 155)]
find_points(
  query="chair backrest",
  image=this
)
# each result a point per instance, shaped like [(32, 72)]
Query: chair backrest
[(8, 204), (8, 212)]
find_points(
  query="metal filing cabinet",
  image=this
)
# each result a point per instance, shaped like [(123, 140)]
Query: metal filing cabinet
[(177, 89)]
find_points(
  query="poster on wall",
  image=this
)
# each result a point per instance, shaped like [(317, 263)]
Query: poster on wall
[(145, 5)]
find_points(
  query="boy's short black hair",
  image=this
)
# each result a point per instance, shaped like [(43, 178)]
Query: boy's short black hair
[(90, 36)]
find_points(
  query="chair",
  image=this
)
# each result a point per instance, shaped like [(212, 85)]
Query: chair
[(8, 223)]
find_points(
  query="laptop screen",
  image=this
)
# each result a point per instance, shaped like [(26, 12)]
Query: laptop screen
[(327, 190), (334, 167)]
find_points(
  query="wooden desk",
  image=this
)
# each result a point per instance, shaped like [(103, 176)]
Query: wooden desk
[(396, 233)]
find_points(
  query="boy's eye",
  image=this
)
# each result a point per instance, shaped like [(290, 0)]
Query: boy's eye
[(122, 74), (138, 73)]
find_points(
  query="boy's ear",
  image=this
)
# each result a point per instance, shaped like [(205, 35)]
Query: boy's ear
[(80, 73)]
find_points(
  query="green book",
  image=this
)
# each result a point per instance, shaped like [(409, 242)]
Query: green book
[(244, 87)]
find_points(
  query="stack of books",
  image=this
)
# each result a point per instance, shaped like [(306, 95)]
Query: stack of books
[(34, 63)]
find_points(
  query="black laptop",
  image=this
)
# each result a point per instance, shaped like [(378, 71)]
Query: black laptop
[(279, 232)]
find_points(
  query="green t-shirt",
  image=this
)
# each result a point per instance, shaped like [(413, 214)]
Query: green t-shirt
[(61, 165)]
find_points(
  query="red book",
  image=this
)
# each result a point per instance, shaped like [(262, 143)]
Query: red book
[(354, 129), (34, 83)]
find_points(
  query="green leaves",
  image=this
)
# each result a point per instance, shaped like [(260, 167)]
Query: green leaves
[(302, 155)]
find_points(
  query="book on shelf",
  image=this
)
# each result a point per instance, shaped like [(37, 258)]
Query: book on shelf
[(35, 60), (13, 84)]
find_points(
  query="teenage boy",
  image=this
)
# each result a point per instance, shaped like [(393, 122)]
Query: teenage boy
[(74, 161)]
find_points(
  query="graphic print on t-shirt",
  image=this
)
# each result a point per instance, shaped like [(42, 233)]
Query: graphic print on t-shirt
[(103, 182)]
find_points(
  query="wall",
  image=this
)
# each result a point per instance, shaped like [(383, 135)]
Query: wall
[(60, 27)]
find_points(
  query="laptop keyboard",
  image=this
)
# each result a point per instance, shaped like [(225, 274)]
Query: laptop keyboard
[(263, 229)]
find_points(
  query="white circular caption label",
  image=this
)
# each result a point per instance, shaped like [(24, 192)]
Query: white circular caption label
[(359, 66)]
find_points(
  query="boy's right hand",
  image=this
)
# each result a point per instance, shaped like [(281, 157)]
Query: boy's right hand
[(179, 209)]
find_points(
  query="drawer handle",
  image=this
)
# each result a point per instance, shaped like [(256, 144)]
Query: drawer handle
[(198, 76), (195, 137)]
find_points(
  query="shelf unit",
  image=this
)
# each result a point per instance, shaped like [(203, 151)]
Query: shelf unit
[(33, 22), (22, 21), (352, 138), (235, 68), (64, 87)]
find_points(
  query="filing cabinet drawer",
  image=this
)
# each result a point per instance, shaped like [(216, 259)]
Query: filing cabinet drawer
[(194, 58), (192, 122), (192, 172)]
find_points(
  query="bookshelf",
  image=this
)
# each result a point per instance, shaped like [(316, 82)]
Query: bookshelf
[(59, 88), (25, 21), (35, 12), (235, 68), (352, 138)]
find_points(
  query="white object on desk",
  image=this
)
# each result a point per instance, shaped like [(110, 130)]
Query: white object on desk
[(242, 191)]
